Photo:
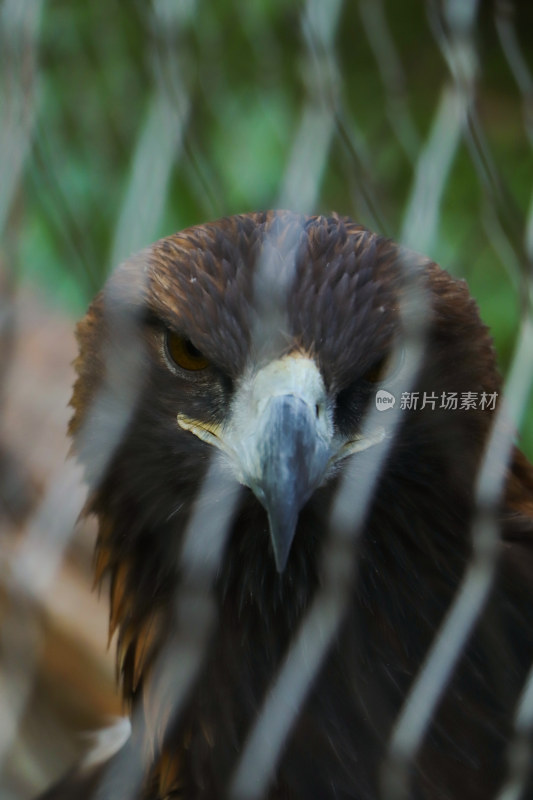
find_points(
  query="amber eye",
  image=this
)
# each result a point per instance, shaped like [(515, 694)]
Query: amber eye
[(387, 367), (183, 353), (378, 371)]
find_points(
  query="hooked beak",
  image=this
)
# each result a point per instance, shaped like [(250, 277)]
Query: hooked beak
[(292, 454), (280, 441)]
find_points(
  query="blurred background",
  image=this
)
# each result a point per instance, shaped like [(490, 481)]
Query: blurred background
[(121, 122)]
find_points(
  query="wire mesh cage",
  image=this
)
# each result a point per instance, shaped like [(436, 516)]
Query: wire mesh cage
[(122, 124)]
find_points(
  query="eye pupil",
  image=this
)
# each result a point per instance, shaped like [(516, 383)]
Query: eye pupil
[(191, 349), (377, 371), (182, 353), (385, 367)]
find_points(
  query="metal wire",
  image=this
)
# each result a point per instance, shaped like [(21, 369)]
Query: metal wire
[(316, 634), (325, 123)]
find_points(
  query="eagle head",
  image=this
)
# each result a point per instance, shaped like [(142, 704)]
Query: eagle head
[(263, 338), (289, 350)]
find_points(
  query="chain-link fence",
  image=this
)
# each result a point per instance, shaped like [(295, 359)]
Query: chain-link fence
[(119, 125)]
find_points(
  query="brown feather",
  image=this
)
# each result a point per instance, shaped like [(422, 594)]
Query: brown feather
[(169, 778), (149, 635), (120, 592), (342, 308), (102, 563)]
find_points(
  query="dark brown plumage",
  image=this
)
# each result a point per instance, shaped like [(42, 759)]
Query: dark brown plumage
[(175, 362)]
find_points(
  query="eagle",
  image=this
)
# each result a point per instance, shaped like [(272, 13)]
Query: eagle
[(247, 389)]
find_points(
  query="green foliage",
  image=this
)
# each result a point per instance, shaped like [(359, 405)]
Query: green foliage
[(237, 78)]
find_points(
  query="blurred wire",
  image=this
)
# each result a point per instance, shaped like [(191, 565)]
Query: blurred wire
[(164, 145), (19, 29), (318, 630)]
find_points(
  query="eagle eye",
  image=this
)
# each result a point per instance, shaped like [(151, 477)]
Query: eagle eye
[(378, 371), (387, 367), (182, 353)]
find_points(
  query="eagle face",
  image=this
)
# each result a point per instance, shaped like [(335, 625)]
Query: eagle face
[(266, 338), (262, 340)]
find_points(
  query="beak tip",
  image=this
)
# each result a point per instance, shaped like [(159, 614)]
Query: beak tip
[(281, 536), (289, 458), (281, 562)]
